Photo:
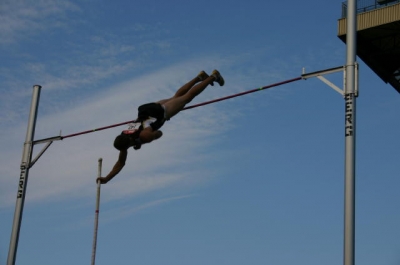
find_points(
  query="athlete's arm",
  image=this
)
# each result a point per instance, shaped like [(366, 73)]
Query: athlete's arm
[(148, 135), (117, 167)]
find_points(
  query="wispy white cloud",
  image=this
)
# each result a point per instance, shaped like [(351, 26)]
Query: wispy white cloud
[(68, 168), (71, 69), (20, 18), (125, 211), (109, 213)]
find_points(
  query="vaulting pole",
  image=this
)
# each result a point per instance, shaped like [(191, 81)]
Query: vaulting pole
[(96, 217), (350, 134), (23, 177)]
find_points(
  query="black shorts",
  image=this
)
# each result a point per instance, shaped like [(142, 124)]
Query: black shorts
[(154, 110)]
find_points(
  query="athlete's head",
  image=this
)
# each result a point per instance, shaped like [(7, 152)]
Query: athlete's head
[(122, 141)]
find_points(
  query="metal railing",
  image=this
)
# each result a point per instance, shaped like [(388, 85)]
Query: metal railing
[(368, 5)]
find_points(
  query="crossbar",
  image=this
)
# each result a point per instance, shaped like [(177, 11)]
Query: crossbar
[(186, 108)]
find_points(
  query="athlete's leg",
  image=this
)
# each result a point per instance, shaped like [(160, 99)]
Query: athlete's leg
[(186, 87), (176, 104)]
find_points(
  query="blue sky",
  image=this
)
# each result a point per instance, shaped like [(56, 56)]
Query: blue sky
[(257, 179)]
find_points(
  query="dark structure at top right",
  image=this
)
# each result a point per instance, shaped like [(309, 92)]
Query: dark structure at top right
[(378, 37)]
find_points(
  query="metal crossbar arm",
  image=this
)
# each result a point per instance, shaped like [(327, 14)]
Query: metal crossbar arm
[(48, 142), (40, 154), (319, 75), (323, 72), (45, 140)]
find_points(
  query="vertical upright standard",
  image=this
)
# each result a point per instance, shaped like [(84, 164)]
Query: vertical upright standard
[(23, 177), (350, 94)]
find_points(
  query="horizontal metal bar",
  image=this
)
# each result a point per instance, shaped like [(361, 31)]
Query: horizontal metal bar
[(323, 72), (45, 140)]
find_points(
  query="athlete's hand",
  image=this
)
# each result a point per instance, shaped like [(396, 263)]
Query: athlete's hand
[(102, 180)]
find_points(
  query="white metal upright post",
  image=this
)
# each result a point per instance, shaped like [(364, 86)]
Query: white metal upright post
[(350, 134), (23, 177)]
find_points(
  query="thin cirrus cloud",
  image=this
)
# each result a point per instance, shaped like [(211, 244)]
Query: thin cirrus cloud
[(19, 19), (68, 166)]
